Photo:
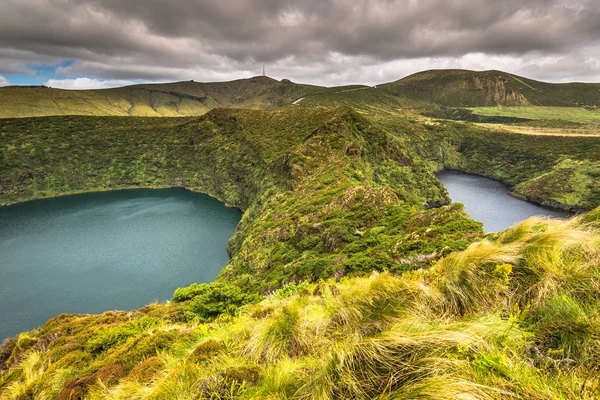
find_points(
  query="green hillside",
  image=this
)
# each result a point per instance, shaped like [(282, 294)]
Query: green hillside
[(326, 173), (557, 171), (424, 91), (366, 99), (350, 275), (151, 100), (463, 88)]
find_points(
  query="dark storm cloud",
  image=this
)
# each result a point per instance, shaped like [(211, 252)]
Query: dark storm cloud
[(157, 39)]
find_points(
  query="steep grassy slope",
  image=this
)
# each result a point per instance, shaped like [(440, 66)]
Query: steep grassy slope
[(463, 88), (513, 316), (155, 100)]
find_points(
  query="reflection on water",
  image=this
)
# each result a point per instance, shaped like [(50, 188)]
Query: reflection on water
[(489, 201), (101, 251)]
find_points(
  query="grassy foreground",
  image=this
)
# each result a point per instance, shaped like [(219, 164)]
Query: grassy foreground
[(513, 316)]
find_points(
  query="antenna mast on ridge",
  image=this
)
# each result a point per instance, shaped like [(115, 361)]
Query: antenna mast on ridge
[(264, 71)]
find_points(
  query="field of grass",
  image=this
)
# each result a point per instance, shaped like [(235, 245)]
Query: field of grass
[(513, 316), (572, 114), (546, 129)]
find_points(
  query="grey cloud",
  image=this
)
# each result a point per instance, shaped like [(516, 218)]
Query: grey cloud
[(157, 39)]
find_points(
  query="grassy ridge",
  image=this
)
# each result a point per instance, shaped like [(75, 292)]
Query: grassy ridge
[(324, 191), (515, 315), (150, 100), (424, 91), (463, 88), (368, 100)]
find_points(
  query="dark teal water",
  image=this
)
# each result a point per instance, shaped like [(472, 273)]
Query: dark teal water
[(488, 201), (102, 251)]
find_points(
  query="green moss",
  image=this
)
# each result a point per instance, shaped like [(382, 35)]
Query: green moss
[(463, 88), (110, 336)]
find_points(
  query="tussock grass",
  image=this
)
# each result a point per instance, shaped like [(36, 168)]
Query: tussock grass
[(371, 304), (31, 370), (475, 278), (279, 335), (516, 315)]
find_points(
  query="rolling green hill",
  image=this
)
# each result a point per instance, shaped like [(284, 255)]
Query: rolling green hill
[(151, 100), (463, 88), (422, 91)]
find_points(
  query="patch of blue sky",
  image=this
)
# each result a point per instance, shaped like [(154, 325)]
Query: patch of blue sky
[(38, 74)]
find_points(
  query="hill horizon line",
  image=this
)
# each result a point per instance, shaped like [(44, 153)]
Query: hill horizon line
[(256, 77)]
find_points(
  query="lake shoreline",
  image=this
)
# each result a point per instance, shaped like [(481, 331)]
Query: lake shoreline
[(117, 189), (492, 202), (544, 203), (114, 250)]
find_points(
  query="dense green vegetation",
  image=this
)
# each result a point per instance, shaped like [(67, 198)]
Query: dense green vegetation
[(569, 167), (351, 275), (324, 190)]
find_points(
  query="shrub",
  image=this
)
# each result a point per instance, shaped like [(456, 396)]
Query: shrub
[(209, 300), (291, 290)]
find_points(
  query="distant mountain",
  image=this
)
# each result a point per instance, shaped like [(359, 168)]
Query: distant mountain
[(451, 88), (463, 88), (166, 99)]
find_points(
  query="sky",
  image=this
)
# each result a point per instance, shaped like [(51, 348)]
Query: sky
[(78, 44)]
